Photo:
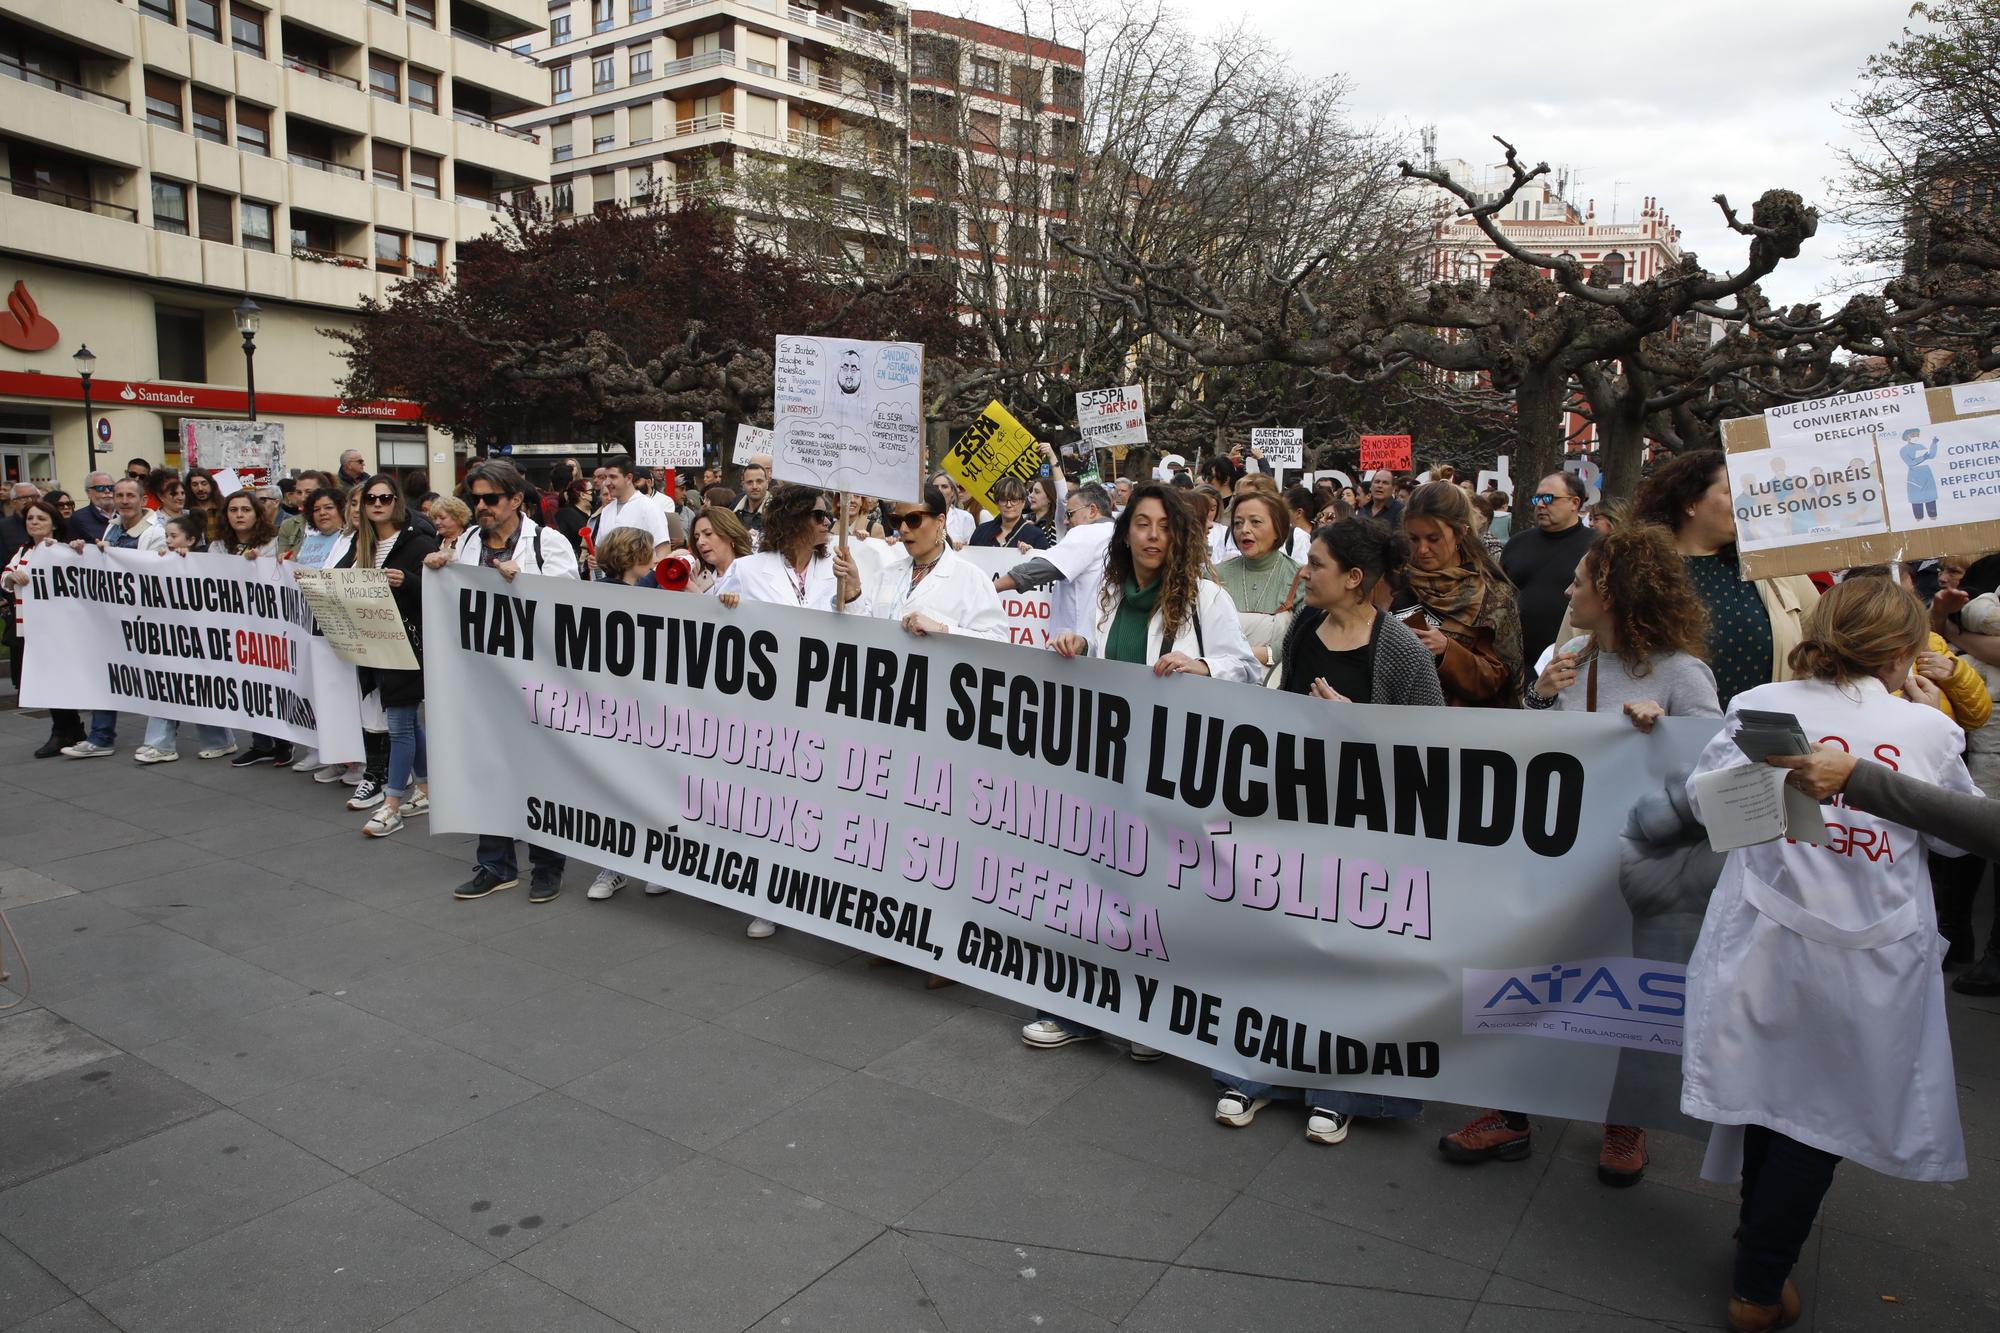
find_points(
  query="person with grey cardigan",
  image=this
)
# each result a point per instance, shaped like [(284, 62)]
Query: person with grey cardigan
[(1966, 820), (1341, 646)]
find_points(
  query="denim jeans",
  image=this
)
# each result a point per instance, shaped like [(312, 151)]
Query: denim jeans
[(406, 750), (1783, 1183), (1369, 1105), (163, 733), (104, 728), (496, 856)]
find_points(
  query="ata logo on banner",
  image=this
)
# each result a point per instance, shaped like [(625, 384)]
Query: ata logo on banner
[(1605, 1001)]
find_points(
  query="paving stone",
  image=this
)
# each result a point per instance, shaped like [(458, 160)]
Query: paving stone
[(1514, 1319), (844, 1015), (1253, 1236), (704, 1085), (563, 1034), (976, 1057), (1198, 1301), (26, 1288), (344, 1260), (873, 1291), (604, 934), (103, 1218), (36, 1044), (1101, 1284), (121, 865), (482, 918), (503, 1299), (1931, 1290), (831, 1145), (335, 956), (387, 1102), (381, 873), (237, 920), (55, 1121), (1162, 1113), (71, 1317), (525, 1173), (176, 1000), (20, 887), (969, 1295), (72, 954), (432, 994), (705, 1247), (706, 975), (302, 1038)]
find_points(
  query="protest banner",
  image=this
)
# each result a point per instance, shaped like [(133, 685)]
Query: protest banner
[(355, 610), (255, 450), (200, 638), (1455, 904), (1395, 452), (1898, 473), (1028, 614), (995, 445), (667, 443), (1282, 446), (848, 416), (750, 442), (1105, 417)]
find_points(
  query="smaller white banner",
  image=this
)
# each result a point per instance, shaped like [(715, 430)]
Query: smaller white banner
[(667, 443), (750, 442), (1105, 417), (1797, 494), (357, 612), (1980, 396), (1604, 1001), (1282, 446), (1850, 419)]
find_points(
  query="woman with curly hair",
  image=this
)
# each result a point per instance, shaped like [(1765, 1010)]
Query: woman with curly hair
[(1459, 603)]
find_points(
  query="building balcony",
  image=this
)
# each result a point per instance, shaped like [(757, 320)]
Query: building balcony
[(105, 26), (64, 229), (887, 46), (322, 95), (346, 21), (833, 148), (516, 79), (68, 116), (845, 93), (509, 153), (330, 189)]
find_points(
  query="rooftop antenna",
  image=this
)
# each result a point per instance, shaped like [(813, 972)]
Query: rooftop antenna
[(1430, 140), (1614, 198)]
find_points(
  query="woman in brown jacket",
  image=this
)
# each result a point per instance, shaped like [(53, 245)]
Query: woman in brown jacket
[(1458, 602)]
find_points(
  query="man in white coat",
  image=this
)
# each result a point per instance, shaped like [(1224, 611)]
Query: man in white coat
[(1073, 568), (510, 543), (930, 588)]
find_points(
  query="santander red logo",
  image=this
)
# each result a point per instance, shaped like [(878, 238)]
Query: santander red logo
[(23, 327)]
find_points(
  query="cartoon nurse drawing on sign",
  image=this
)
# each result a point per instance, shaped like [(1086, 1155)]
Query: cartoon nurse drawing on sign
[(1922, 484)]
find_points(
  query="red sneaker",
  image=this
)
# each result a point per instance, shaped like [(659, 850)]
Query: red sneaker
[(1484, 1139), (1622, 1160)]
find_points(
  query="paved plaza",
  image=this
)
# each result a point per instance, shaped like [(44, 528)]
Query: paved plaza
[(272, 1076)]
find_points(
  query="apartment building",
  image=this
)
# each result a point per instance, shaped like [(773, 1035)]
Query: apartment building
[(792, 114), (167, 159)]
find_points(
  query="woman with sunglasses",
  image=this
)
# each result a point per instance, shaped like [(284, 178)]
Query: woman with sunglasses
[(794, 568), (386, 541), (165, 492), (930, 588)]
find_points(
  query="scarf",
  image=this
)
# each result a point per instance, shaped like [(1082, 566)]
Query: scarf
[(1465, 602), (1271, 573), (1126, 641)]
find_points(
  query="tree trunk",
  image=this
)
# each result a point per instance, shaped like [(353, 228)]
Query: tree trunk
[(1538, 426)]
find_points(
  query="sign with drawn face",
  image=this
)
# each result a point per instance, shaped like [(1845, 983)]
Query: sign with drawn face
[(848, 415)]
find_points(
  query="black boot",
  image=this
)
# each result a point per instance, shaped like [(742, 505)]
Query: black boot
[(1954, 883)]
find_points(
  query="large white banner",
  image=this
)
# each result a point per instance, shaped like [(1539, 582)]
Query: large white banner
[(198, 638), (1440, 904)]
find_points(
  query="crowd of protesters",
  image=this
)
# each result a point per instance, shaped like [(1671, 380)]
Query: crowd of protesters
[(1412, 592)]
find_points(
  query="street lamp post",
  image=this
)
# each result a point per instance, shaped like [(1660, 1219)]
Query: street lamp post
[(85, 361), (248, 317)]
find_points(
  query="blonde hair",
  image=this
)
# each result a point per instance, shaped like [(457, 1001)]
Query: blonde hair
[(1860, 628), (622, 549), (452, 507)]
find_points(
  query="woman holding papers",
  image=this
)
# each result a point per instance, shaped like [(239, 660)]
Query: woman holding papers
[(930, 588), (385, 541), (1815, 1022)]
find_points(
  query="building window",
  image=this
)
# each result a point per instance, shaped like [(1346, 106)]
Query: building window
[(563, 196), (603, 132), (985, 129), (423, 89), (426, 255), (600, 16), (401, 447), (639, 123), (170, 206), (253, 129), (641, 9), (559, 89), (385, 78), (604, 191), (162, 10), (424, 169), (212, 218), (256, 226), (1614, 268), (388, 165), (603, 73), (182, 339), (642, 65), (163, 100), (986, 74), (204, 19), (421, 11), (558, 29), (391, 251), (560, 147), (246, 29), (210, 118)]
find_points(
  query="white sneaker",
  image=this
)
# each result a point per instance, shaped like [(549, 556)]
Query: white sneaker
[(366, 796), (351, 775), (146, 754), (655, 890), (382, 823), (218, 751), (87, 750), (1236, 1109), (760, 929), (1324, 1126), (1048, 1033), (329, 772), (607, 883), (419, 804), (308, 761), (1145, 1055)]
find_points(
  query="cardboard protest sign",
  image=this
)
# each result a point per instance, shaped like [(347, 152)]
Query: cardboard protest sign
[(1395, 452), (1899, 473), (1282, 446), (995, 445), (253, 449), (1105, 417), (750, 442), (356, 611), (667, 443), (848, 415)]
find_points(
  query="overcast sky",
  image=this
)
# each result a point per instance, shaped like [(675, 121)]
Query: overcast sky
[(1682, 101)]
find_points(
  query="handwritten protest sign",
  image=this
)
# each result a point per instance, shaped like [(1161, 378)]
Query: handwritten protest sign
[(995, 445), (667, 443), (1395, 452), (1282, 446), (751, 441), (1105, 417), (848, 415), (356, 611)]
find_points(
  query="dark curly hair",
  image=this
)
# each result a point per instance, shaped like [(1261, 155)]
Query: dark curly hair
[(1665, 497), (1379, 551), (1181, 573), (788, 517), (1638, 572), (222, 536)]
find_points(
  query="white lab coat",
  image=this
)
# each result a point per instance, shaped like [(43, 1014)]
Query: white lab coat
[(1080, 556), (1219, 641), (1815, 1005), (764, 577), (537, 550), (957, 593)]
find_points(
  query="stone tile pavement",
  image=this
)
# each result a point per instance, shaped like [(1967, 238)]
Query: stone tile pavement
[(272, 1076)]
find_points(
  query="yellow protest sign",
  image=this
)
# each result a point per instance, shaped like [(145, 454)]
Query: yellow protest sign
[(995, 445)]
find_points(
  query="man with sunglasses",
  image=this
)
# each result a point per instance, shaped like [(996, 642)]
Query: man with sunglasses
[(1542, 560), (90, 520), (1073, 568)]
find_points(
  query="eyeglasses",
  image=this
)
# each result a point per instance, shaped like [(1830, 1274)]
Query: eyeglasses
[(821, 516), (910, 522), (65, 504), (102, 488), (1541, 498), (381, 498), (483, 500)]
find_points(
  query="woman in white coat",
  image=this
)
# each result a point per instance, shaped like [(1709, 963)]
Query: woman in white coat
[(1815, 1009), (930, 588)]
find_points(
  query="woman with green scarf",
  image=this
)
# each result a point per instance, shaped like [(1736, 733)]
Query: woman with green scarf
[(1262, 580), (1459, 603)]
